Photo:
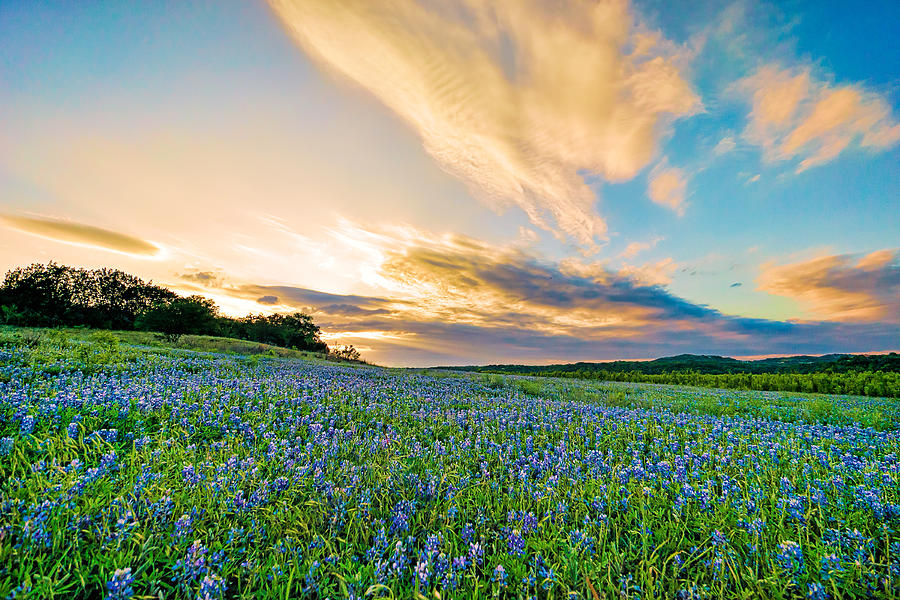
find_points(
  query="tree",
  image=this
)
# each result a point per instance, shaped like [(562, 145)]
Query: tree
[(346, 353), (41, 294), (53, 295), (295, 330), (180, 316)]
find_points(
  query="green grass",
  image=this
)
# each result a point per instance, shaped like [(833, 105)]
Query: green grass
[(290, 469), (65, 336)]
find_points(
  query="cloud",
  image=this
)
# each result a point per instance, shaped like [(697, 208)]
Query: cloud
[(843, 287), (519, 99), (725, 145), (453, 299), (794, 116), (667, 187), (81, 234), (635, 248), (312, 301), (204, 278), (477, 302), (655, 273), (350, 310)]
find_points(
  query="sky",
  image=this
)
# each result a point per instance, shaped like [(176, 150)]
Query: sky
[(473, 182)]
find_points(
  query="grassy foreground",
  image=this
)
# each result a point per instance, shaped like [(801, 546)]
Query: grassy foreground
[(54, 340), (137, 472)]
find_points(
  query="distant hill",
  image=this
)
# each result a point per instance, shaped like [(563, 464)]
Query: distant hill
[(710, 365)]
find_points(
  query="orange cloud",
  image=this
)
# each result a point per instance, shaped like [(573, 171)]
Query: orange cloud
[(667, 187), (635, 248), (516, 98), (655, 273), (451, 299), (840, 287), (794, 116), (81, 234)]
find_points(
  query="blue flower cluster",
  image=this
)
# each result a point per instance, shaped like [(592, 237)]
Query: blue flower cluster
[(285, 478)]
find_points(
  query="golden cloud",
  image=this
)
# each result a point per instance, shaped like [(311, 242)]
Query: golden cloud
[(794, 116), (667, 187), (654, 273), (79, 233), (840, 287), (635, 248), (451, 299), (517, 98)]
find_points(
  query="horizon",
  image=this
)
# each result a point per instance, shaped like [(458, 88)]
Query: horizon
[(461, 184), (744, 359)]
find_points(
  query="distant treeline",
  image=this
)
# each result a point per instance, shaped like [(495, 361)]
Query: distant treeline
[(714, 365), (54, 295), (864, 375), (859, 383)]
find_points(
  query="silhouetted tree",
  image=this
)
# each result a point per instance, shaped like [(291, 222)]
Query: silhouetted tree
[(54, 295), (179, 316), (295, 330), (346, 353)]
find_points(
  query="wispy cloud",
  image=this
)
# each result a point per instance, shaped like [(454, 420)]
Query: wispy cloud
[(79, 233), (793, 115), (724, 146), (667, 187), (635, 248), (518, 99), (652, 273), (843, 287)]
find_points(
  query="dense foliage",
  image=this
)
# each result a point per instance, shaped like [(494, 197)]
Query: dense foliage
[(204, 476), (864, 383), (872, 375), (55, 295), (52, 295)]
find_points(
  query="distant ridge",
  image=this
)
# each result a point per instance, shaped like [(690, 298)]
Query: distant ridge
[(711, 364)]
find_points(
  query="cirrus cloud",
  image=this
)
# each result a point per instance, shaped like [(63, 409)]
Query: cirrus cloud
[(518, 99)]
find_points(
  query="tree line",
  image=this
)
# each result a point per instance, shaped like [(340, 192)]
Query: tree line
[(715, 365), (55, 295), (857, 383)]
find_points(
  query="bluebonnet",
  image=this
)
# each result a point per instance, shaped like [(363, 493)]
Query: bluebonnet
[(119, 587), (26, 426), (499, 576)]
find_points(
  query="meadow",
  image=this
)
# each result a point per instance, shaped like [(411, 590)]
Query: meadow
[(138, 472)]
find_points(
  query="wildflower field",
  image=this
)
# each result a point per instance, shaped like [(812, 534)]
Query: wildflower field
[(137, 472)]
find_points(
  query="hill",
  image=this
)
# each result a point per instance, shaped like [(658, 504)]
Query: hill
[(711, 365), (869, 375)]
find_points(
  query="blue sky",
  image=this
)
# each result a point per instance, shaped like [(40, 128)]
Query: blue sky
[(737, 160)]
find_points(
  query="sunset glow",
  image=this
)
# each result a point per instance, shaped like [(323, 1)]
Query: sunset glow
[(469, 182)]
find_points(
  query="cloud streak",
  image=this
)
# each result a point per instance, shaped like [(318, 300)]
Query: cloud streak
[(517, 98), (795, 116), (79, 233), (842, 287)]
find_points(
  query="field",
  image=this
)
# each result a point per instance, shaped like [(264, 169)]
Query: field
[(151, 472)]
